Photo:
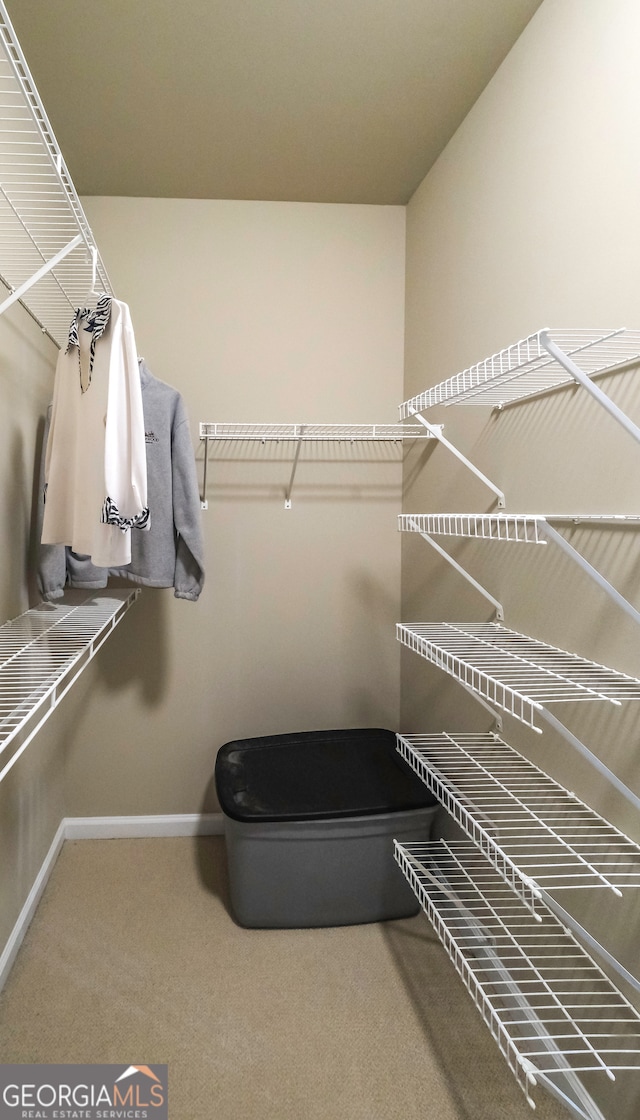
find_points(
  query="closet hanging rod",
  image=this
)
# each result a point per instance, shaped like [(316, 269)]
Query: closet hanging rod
[(304, 433), (312, 432), (264, 433), (45, 258)]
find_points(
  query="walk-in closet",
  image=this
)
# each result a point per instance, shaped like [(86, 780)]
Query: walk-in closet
[(366, 450)]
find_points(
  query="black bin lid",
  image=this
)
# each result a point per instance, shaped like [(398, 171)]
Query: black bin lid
[(316, 775)]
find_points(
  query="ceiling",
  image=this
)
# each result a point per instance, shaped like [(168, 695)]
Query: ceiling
[(293, 100)]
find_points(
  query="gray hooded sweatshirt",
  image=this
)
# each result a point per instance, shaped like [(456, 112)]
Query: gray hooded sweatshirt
[(170, 552)]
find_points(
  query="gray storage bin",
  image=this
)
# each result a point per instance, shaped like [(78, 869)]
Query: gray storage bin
[(310, 820)]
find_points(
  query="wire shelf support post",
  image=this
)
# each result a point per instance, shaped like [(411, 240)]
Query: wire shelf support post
[(592, 758), (436, 430), (289, 491), (594, 390), (553, 535), (497, 605), (204, 504)]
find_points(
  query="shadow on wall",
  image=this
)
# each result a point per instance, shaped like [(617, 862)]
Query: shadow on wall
[(210, 800), (138, 650), (327, 471), (35, 525), (15, 528), (372, 611), (416, 459), (210, 852), (135, 655), (31, 806), (211, 863)]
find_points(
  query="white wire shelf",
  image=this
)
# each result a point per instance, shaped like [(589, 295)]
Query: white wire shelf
[(528, 368), (538, 835), (527, 528), (40, 213), (306, 433), (523, 528), (310, 432), (42, 653), (485, 526), (518, 674), (553, 1012)]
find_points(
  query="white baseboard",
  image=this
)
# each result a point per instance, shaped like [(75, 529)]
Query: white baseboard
[(172, 824), (101, 828), (16, 936)]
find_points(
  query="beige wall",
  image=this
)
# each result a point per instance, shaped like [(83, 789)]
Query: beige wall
[(280, 312), (256, 312), (31, 796), (529, 219)]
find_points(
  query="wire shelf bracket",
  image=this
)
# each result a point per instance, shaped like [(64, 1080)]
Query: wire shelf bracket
[(437, 430), (537, 988), (589, 386), (524, 528), (522, 676), (408, 523), (48, 248), (42, 654), (543, 361), (303, 433), (287, 500)]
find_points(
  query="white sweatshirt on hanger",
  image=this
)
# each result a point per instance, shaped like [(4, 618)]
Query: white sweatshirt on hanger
[(170, 554), (95, 466)]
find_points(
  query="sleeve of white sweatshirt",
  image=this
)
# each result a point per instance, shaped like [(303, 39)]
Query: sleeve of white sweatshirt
[(125, 465)]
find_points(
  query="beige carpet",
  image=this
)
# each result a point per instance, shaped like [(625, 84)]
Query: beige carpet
[(133, 958)]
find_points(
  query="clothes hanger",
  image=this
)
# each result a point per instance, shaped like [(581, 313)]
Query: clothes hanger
[(97, 317), (94, 292)]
